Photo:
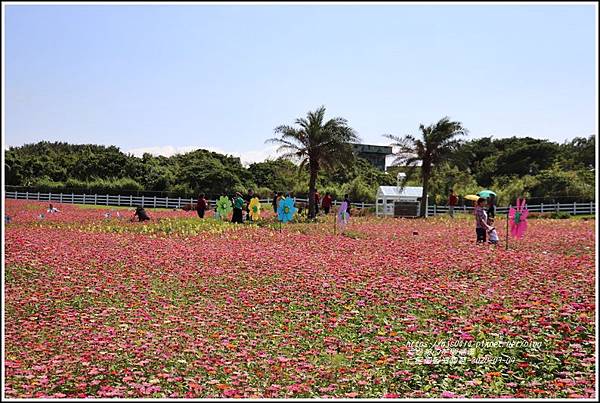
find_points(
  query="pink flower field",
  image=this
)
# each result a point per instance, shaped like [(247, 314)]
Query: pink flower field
[(179, 307)]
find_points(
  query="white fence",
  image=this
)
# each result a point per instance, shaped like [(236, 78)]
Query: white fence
[(570, 208), (178, 202), (144, 201)]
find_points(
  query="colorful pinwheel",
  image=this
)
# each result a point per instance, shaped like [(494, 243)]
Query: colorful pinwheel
[(286, 209), (254, 208), (224, 207), (518, 219), (343, 216)]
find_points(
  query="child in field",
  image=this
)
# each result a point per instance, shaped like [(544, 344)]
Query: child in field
[(493, 235), (52, 209), (140, 213)]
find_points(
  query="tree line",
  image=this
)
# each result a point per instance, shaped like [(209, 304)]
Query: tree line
[(317, 156)]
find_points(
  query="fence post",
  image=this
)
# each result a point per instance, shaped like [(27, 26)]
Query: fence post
[(130, 200), (542, 207), (154, 201), (38, 196), (574, 208), (49, 196), (119, 199), (60, 197), (142, 200), (557, 207), (96, 198), (167, 202), (72, 198), (107, 200)]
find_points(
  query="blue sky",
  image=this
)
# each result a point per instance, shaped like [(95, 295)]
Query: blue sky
[(168, 78)]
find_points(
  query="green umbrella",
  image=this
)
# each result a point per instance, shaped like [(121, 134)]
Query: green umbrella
[(486, 193)]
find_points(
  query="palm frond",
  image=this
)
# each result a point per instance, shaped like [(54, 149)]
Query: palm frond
[(410, 174)]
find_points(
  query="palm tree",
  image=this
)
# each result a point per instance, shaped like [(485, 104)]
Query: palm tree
[(318, 144), (437, 145)]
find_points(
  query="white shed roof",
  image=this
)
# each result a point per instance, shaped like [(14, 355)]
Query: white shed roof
[(394, 191)]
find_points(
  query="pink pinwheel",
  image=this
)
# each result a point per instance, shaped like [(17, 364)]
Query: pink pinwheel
[(518, 219)]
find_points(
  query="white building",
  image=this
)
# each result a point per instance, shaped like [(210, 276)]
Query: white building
[(388, 195)]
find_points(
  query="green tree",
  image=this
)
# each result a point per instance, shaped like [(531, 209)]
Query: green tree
[(317, 144), (279, 175), (579, 153), (449, 176), (438, 144), (563, 186)]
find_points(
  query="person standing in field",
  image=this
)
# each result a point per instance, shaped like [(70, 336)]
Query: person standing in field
[(238, 205), (247, 199), (201, 205), (347, 200), (274, 202), (452, 202), (326, 204), (481, 225), (491, 211)]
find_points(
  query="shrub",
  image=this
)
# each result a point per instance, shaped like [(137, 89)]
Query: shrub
[(358, 190), (534, 216), (560, 215), (46, 184), (263, 192)]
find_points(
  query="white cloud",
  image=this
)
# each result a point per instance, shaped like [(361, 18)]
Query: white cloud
[(166, 151), (247, 157)]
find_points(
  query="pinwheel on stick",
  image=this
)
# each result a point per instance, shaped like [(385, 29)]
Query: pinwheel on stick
[(285, 210), (254, 208), (342, 216), (517, 219), (224, 207)]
